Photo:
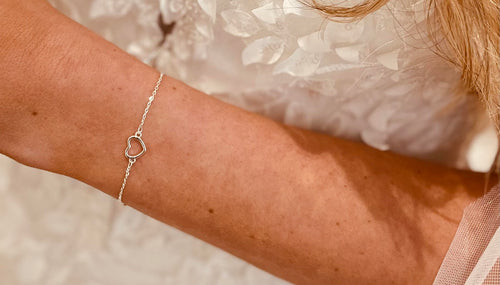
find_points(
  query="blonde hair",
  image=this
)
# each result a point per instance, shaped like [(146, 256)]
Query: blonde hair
[(465, 32)]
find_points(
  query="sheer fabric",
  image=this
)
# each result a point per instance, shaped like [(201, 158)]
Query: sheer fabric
[(474, 255)]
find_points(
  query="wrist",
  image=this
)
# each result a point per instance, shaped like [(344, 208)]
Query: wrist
[(21, 39), (72, 99)]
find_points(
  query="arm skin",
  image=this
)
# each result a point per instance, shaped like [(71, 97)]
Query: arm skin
[(304, 206)]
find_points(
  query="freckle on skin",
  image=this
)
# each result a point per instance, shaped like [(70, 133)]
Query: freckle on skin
[(174, 88), (337, 223), (211, 211), (251, 236), (369, 221), (34, 113), (365, 177), (336, 269)]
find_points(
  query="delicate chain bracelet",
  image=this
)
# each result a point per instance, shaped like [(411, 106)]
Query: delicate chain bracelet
[(137, 136)]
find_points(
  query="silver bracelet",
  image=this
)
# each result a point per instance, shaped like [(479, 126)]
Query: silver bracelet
[(137, 136)]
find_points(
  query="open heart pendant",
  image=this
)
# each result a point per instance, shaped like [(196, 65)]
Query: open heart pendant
[(143, 146)]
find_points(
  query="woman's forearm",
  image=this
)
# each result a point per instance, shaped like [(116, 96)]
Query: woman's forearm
[(304, 206)]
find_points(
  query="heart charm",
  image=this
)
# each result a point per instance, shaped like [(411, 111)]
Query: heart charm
[(143, 146)]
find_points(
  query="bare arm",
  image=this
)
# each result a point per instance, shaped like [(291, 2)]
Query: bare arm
[(304, 206)]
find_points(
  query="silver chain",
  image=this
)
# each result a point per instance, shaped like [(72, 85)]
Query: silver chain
[(137, 136), (151, 98), (127, 173)]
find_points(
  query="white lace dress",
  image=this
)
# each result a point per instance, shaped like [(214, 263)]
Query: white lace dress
[(374, 80)]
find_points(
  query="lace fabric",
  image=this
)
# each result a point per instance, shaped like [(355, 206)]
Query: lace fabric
[(367, 81)]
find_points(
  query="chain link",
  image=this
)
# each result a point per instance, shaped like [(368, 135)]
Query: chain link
[(151, 98), (138, 134), (127, 173)]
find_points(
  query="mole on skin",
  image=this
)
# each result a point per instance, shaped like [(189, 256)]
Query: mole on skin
[(34, 113), (211, 211)]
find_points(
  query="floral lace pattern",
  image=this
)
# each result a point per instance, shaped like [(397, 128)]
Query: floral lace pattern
[(373, 80), (367, 80)]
